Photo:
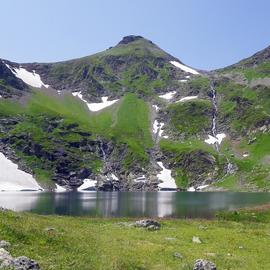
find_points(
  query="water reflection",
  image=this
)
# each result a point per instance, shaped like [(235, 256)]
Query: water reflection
[(130, 204)]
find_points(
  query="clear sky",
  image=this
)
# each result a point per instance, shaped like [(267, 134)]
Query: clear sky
[(204, 34)]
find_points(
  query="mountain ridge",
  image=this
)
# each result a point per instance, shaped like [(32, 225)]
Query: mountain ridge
[(136, 118)]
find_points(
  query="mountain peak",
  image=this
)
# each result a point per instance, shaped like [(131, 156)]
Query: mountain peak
[(129, 39)]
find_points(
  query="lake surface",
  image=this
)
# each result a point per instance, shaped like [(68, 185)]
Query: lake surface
[(131, 204)]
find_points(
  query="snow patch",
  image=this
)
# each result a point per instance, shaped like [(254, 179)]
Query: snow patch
[(168, 95), (114, 177), (202, 187), (30, 78), (140, 179), (13, 179), (218, 139), (187, 98), (166, 177), (94, 107), (245, 155), (184, 68), (191, 189), (157, 128), (156, 107), (59, 188), (183, 80), (88, 184)]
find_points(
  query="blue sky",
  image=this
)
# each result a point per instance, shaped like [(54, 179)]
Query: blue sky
[(204, 34)]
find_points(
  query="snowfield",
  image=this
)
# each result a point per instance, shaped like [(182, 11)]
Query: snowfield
[(31, 78), (166, 178), (184, 68), (168, 95), (218, 139), (94, 107), (13, 179)]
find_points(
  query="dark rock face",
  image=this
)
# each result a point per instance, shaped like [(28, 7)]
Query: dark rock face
[(66, 160), (201, 264), (109, 185), (10, 85)]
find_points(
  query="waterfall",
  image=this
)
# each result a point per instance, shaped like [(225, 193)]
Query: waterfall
[(104, 156), (230, 166)]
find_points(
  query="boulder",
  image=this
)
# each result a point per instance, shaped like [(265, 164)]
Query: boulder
[(149, 224), (202, 264), (24, 263), (20, 263)]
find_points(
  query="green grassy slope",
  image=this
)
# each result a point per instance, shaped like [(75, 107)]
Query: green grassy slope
[(53, 123), (191, 118)]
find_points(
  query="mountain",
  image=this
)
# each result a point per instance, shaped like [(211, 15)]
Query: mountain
[(134, 117)]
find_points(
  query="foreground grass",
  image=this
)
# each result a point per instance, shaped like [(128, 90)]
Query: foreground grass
[(87, 243)]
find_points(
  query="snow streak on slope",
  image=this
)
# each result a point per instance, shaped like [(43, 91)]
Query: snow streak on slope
[(88, 185), (187, 98), (94, 107), (31, 78), (166, 178), (13, 179), (59, 189), (184, 68), (168, 95)]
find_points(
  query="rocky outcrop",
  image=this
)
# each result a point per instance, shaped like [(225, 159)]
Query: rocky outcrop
[(148, 224), (129, 39), (10, 85), (19, 263), (201, 264)]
